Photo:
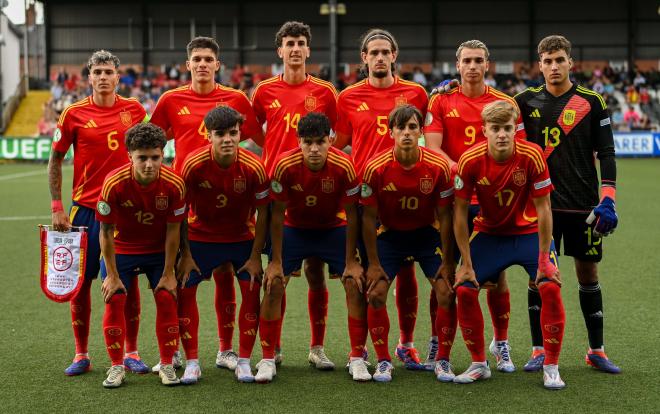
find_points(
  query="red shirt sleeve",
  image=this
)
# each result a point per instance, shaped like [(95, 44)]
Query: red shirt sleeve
[(262, 193), (280, 188), (464, 181), (445, 187), (541, 184), (106, 208), (369, 193), (178, 210), (343, 124), (331, 111), (258, 107), (250, 125), (352, 189), (64, 133), (433, 121), (159, 116)]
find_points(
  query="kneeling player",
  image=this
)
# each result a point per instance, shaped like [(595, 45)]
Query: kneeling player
[(405, 188), (226, 185), (512, 184), (312, 186), (140, 209)]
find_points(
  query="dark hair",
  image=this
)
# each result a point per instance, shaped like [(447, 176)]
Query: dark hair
[(554, 43), (145, 136), (314, 125), (221, 119), (293, 29), (202, 42), (402, 114), (374, 34), (102, 57)]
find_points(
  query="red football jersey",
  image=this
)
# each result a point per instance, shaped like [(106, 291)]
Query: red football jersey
[(504, 189), (407, 199), (141, 213), (223, 200), (363, 110), (280, 106), (458, 118), (97, 135), (315, 199), (183, 110)]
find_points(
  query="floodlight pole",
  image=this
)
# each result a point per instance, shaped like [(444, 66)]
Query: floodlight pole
[(333, 40), (26, 56)]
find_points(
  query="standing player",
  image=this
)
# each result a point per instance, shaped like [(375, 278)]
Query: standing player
[(226, 185), (514, 226), (314, 187), (453, 125), (572, 123), (95, 126), (406, 189), (140, 208), (181, 112), (362, 111), (279, 103)]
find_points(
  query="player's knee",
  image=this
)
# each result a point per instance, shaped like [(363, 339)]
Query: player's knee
[(351, 287), (378, 295), (224, 268), (587, 272), (276, 290), (314, 273)]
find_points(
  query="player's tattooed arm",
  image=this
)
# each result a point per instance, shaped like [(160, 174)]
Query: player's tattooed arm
[(186, 262), (60, 219), (465, 273), (112, 283)]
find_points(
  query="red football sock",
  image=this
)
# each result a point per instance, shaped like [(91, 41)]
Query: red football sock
[(278, 342), (406, 302), (553, 320), (445, 325), (225, 307), (81, 310), (433, 312), (357, 332), (167, 325), (248, 318), (188, 314), (268, 335), (499, 305), (317, 305), (471, 321), (114, 328), (379, 328), (132, 315)]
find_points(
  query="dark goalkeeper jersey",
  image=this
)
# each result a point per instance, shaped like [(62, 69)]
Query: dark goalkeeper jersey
[(572, 129)]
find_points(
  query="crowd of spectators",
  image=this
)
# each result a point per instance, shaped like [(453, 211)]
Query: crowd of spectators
[(638, 106)]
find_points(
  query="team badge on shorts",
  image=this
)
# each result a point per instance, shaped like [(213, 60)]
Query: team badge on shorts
[(400, 100), (161, 202), (126, 118), (327, 185), (310, 103), (103, 208), (519, 177), (426, 185), (276, 186), (569, 117), (240, 185)]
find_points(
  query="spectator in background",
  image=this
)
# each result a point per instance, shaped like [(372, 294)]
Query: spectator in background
[(632, 118), (639, 79), (419, 76)]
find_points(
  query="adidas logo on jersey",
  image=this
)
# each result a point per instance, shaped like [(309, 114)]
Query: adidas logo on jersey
[(484, 181), (184, 111), (275, 104), (453, 114), (297, 187), (363, 107), (592, 252), (90, 124), (535, 114), (205, 184), (390, 187), (127, 203)]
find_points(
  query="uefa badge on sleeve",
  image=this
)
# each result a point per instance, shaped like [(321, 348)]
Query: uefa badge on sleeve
[(276, 186), (62, 262), (103, 208), (366, 190), (57, 135), (458, 182)]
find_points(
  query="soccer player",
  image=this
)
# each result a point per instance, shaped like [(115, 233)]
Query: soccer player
[(514, 226), (406, 189), (571, 123), (314, 186), (181, 112), (140, 208), (226, 185), (95, 126), (362, 111), (453, 125), (279, 103)]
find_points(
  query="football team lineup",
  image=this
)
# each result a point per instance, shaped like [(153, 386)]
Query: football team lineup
[(494, 186)]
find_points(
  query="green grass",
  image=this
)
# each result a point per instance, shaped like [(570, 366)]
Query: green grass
[(37, 343)]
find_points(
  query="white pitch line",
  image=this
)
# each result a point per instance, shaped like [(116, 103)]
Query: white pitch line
[(21, 175), (24, 218)]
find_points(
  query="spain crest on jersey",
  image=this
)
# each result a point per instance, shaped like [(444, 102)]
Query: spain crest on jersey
[(126, 118), (519, 177), (569, 117), (400, 100), (240, 185), (161, 202), (327, 185), (310, 103), (426, 185)]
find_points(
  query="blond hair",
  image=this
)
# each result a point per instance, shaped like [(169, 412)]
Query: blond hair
[(472, 44), (499, 112)]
